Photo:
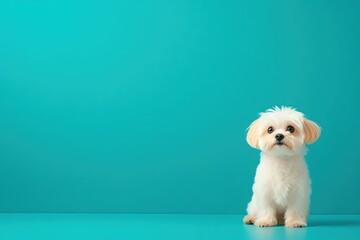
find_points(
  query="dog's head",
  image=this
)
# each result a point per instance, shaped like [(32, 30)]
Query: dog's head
[(282, 132)]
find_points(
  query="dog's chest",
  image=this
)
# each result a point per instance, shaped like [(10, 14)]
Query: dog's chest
[(281, 190), (282, 184)]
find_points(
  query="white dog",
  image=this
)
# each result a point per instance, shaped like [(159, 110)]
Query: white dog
[(281, 190)]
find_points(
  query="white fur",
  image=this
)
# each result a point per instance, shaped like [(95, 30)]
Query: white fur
[(281, 191)]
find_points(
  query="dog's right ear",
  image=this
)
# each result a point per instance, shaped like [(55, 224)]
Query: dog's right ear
[(312, 131), (253, 134)]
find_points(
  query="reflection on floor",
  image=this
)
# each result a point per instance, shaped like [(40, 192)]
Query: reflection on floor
[(158, 227)]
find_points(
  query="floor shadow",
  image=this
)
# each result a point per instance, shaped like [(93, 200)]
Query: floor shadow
[(334, 222)]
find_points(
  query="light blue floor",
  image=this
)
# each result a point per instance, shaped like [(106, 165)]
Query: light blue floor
[(158, 227)]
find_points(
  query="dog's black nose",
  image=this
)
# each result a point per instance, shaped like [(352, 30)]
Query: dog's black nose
[(279, 137)]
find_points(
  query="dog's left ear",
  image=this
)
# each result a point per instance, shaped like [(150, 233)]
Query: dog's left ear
[(252, 136), (312, 131)]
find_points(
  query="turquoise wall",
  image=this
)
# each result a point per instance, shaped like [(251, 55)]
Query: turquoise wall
[(142, 106)]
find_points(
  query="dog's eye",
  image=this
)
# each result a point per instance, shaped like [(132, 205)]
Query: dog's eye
[(270, 130), (290, 129)]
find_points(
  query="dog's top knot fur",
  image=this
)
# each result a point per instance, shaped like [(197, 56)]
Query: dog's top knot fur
[(284, 109)]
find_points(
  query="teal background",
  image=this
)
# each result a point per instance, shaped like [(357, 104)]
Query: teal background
[(141, 106)]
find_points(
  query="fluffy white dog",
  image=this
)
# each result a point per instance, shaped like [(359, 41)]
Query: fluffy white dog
[(281, 190)]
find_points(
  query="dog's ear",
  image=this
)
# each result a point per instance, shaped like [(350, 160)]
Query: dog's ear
[(252, 136), (312, 131)]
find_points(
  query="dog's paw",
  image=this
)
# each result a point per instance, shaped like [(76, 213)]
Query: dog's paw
[(249, 219), (295, 224), (265, 222)]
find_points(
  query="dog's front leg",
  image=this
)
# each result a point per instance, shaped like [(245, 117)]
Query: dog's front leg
[(297, 212), (266, 215)]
